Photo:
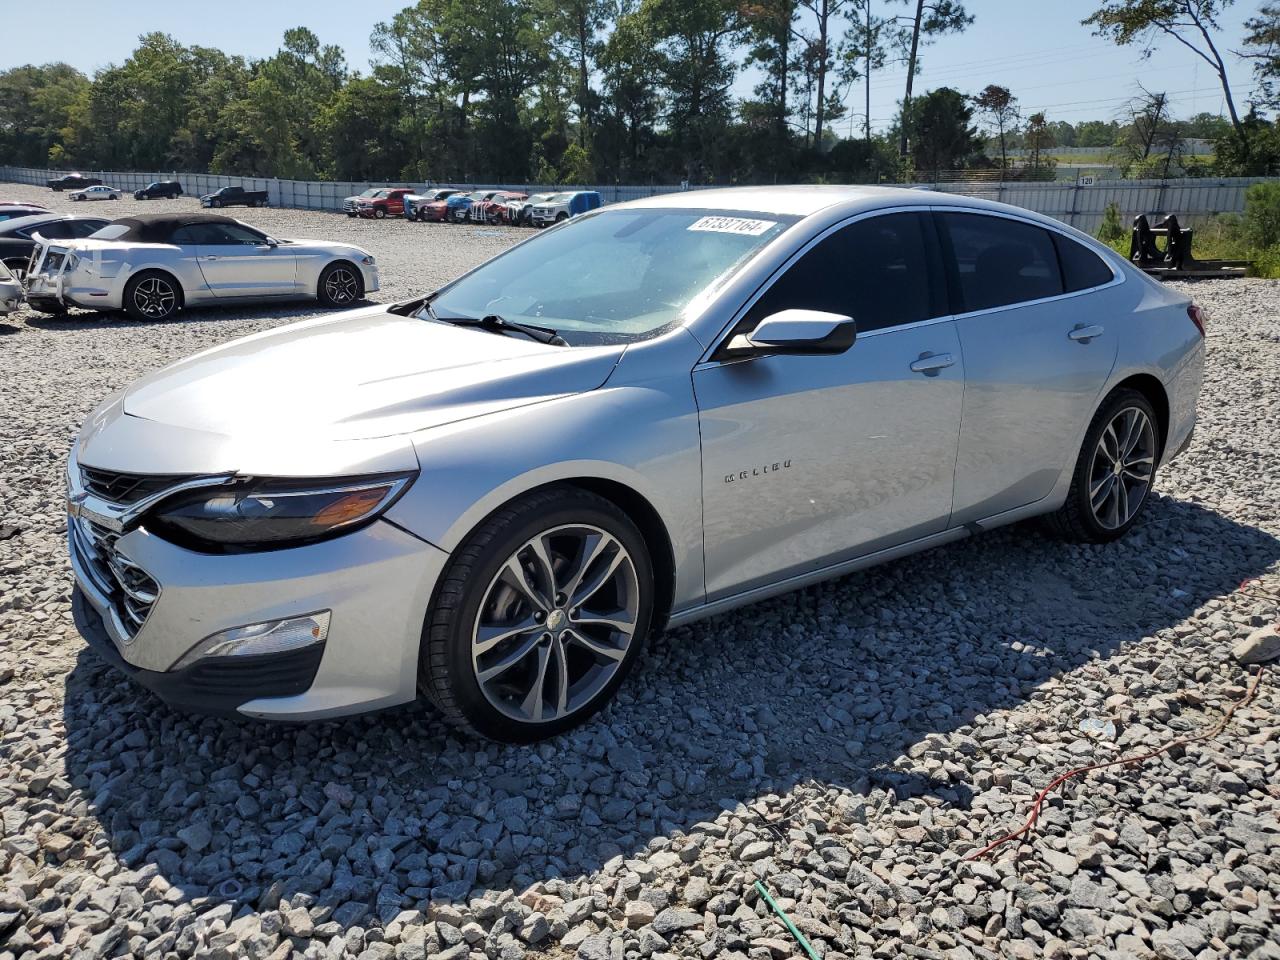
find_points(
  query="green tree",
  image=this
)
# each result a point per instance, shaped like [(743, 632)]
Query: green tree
[(1000, 107), (573, 26), (1191, 23), (39, 107), (1262, 49), (941, 134), (630, 63), (695, 73), (932, 19)]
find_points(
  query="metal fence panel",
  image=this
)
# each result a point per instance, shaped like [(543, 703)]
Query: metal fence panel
[(1081, 207)]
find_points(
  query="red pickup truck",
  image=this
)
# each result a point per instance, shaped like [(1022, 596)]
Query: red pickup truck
[(387, 203)]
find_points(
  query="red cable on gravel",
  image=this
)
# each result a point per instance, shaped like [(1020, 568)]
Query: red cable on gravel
[(1124, 761)]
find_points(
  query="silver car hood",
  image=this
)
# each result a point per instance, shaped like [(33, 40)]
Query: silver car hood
[(328, 395)]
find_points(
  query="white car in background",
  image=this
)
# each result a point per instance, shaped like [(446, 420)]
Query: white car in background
[(10, 291), (153, 265), (519, 212), (101, 192)]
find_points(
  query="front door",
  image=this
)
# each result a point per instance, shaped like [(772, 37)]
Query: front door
[(239, 262), (808, 461)]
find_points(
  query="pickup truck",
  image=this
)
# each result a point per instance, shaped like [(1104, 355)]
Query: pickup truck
[(385, 202), (563, 206), (71, 181), (235, 196)]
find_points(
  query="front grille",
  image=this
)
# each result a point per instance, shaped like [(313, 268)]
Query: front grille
[(124, 488), (130, 589)]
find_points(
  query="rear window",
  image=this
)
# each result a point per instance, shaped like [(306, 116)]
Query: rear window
[(998, 261), (1081, 267)]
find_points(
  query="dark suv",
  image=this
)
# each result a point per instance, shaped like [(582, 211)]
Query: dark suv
[(166, 189)]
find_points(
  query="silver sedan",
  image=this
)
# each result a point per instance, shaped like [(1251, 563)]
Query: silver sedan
[(653, 413)]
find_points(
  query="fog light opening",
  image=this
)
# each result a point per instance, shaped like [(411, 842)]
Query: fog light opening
[(259, 639)]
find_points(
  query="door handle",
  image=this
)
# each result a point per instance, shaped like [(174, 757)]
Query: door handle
[(931, 364), (1084, 334), (209, 258)]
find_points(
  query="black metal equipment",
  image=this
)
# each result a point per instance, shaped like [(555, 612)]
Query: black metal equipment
[(1175, 259)]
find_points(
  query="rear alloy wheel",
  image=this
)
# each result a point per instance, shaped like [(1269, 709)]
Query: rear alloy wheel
[(340, 285), (1115, 471), (151, 296), (540, 616)]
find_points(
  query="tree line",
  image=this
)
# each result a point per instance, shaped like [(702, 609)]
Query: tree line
[(591, 91)]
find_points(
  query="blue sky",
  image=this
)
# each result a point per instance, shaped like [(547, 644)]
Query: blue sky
[(1037, 48)]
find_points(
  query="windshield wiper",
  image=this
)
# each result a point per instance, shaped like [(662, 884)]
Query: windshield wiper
[(497, 324)]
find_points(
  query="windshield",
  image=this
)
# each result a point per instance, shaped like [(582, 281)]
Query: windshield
[(612, 277)]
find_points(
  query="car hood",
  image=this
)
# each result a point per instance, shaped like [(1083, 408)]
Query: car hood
[(363, 376)]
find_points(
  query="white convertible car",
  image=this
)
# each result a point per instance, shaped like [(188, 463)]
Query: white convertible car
[(153, 265)]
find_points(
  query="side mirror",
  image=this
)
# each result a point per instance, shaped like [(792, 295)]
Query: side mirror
[(272, 242), (797, 332)]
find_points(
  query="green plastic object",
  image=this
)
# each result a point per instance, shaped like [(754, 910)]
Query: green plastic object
[(782, 914)]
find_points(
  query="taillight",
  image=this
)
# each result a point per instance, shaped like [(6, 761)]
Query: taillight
[(1198, 317)]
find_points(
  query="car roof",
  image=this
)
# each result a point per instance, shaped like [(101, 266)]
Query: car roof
[(807, 200), (157, 227)]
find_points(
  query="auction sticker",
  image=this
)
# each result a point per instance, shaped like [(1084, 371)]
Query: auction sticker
[(739, 225)]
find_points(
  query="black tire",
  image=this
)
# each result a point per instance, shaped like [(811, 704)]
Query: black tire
[(350, 214), (334, 290), (1076, 520), (420, 215), (561, 217), (215, 203), (114, 196), (152, 295), (380, 213), (445, 671)]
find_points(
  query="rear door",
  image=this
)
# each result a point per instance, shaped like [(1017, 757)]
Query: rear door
[(810, 460), (1036, 357), (239, 262)]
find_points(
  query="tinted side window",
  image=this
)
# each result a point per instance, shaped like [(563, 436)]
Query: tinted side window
[(875, 270), (999, 261), (198, 233), (83, 228), (1081, 267)]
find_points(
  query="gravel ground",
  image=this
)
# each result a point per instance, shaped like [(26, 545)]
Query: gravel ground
[(847, 745)]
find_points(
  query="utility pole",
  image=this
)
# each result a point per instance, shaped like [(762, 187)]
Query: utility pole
[(867, 121), (911, 75)]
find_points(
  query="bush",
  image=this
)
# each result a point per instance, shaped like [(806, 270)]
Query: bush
[(1112, 230), (1262, 214), (1266, 263)]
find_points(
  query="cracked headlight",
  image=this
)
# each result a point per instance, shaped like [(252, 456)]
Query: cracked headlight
[(268, 514)]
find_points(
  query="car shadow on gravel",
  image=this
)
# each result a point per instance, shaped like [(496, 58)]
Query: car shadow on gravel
[(90, 319), (840, 685)]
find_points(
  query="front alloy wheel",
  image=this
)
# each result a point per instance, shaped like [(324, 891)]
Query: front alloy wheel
[(340, 285), (555, 624), (539, 617)]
